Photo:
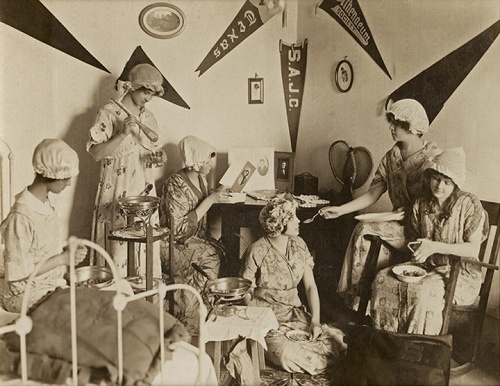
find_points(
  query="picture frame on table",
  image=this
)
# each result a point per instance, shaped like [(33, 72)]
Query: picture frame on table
[(162, 20), (284, 170)]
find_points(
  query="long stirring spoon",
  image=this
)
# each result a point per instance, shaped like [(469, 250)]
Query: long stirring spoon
[(310, 220)]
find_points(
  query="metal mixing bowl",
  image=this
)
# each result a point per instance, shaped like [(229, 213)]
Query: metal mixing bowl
[(229, 286), (93, 276), (139, 206)]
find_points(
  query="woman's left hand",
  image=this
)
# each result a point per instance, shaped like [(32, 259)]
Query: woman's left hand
[(315, 330)]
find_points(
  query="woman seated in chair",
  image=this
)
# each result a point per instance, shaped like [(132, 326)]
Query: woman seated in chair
[(446, 221), (276, 264), (400, 174), (185, 200), (31, 230)]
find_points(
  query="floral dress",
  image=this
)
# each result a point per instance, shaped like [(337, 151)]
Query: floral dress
[(402, 179), (276, 277), (31, 234), (122, 174), (193, 243), (417, 308)]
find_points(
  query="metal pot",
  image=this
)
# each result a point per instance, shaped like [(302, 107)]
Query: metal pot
[(93, 276), (225, 287), (229, 287), (139, 206)]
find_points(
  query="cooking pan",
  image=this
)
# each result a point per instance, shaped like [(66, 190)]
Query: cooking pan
[(228, 287)]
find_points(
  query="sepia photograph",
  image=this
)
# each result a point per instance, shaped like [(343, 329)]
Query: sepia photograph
[(250, 192)]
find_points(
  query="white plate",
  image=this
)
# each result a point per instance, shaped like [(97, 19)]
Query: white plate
[(298, 336), (384, 216)]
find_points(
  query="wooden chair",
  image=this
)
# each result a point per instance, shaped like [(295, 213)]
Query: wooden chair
[(465, 323)]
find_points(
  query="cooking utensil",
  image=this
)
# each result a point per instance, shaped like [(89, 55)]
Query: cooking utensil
[(139, 206), (146, 190), (229, 287), (310, 220), (93, 276), (150, 133), (200, 270)]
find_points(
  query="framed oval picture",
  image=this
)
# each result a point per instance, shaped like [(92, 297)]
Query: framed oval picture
[(162, 20), (344, 76)]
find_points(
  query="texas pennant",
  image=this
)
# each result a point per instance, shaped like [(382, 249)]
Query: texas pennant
[(293, 74), (349, 15), (139, 57), (251, 16), (435, 85), (34, 19)]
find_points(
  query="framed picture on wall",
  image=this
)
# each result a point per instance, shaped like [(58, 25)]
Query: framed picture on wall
[(255, 90), (162, 20), (344, 76), (284, 170)]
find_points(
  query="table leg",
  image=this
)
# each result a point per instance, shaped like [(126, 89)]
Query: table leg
[(149, 260), (255, 360), (217, 358), (262, 359)]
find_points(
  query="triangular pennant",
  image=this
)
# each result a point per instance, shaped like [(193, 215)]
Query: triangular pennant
[(434, 86), (349, 15), (252, 15), (32, 18), (293, 74), (138, 57)]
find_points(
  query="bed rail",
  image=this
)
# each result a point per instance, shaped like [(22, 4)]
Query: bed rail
[(24, 324)]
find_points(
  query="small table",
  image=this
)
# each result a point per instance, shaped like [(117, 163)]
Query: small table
[(250, 322)]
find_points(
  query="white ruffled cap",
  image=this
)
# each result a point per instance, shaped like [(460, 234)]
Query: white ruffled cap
[(195, 152), (411, 111), (54, 158), (451, 163), (146, 75)]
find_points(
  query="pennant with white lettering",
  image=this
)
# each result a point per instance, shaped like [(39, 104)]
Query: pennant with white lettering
[(349, 15), (293, 74), (251, 17)]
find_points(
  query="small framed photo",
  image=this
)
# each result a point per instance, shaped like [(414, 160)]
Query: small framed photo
[(344, 76), (284, 171), (255, 90), (162, 20)]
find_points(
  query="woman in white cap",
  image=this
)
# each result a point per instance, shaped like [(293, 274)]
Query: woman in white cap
[(31, 230), (446, 221), (123, 149), (400, 175), (185, 201)]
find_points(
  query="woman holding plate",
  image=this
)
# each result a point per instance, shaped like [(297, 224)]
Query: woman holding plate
[(400, 175), (444, 221)]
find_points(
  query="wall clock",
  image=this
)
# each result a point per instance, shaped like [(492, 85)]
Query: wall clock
[(344, 75)]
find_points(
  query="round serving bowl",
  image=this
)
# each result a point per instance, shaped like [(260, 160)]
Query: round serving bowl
[(139, 206), (229, 287), (409, 273), (93, 276)]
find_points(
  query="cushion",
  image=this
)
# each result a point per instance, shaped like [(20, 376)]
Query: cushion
[(97, 332)]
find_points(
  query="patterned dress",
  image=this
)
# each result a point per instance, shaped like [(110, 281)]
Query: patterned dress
[(193, 243), (31, 234), (124, 173), (276, 277), (417, 308), (402, 179)]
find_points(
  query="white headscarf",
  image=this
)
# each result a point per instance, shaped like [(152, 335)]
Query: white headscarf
[(195, 152), (54, 158), (412, 112)]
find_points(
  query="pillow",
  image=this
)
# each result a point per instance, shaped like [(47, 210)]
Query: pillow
[(97, 334)]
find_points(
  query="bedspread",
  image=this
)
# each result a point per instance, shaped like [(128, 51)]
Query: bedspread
[(96, 333)]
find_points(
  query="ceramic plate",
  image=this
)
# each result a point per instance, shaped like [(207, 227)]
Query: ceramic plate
[(384, 216), (298, 336), (409, 273)]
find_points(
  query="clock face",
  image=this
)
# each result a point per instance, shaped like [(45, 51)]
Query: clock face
[(344, 76)]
